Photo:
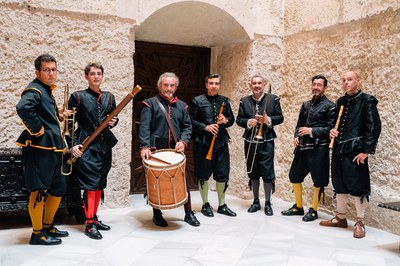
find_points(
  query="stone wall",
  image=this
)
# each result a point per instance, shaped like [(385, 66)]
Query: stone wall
[(370, 46), (74, 39)]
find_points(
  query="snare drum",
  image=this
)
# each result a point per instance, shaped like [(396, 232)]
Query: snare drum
[(166, 182)]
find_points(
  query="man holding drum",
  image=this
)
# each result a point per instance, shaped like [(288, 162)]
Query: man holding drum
[(155, 132), (211, 115)]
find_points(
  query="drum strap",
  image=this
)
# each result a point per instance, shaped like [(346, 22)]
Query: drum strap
[(168, 120)]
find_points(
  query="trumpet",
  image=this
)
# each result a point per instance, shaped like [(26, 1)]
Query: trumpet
[(66, 130), (259, 136)]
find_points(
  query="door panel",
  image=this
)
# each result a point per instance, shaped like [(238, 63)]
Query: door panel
[(191, 65)]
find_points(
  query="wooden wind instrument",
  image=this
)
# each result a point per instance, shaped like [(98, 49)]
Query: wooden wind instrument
[(336, 127), (210, 150)]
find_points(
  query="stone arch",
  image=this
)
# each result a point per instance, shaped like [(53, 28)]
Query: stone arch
[(192, 24)]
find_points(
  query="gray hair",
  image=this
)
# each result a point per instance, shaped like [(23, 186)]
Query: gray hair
[(168, 75)]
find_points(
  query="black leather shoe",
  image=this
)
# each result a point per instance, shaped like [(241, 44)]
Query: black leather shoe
[(100, 225), (255, 206), (54, 232), (268, 209), (43, 239), (191, 219), (158, 219), (92, 232), (223, 209), (311, 215), (207, 210), (293, 211)]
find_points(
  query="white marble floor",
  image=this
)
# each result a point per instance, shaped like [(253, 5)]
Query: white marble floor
[(248, 239)]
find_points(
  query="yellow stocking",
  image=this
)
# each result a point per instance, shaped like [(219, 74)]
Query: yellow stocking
[(51, 208), (36, 210), (315, 200), (298, 194)]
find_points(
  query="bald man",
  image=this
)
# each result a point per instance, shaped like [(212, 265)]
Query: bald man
[(355, 138)]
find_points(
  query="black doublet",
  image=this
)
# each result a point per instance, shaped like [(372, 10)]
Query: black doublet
[(154, 131), (91, 109), (312, 154), (37, 108), (204, 111), (264, 158), (41, 155), (359, 130)]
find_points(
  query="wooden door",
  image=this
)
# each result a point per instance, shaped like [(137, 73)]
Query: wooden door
[(191, 65)]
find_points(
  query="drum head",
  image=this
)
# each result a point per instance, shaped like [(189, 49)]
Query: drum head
[(170, 157)]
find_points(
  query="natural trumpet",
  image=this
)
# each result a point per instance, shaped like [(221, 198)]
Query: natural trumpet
[(259, 136), (66, 129)]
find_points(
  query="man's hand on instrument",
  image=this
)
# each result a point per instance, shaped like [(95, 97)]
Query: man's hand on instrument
[(252, 122), (63, 113), (333, 133), (76, 150), (145, 154), (222, 120), (112, 122), (296, 141), (304, 131), (213, 129), (180, 146), (360, 158)]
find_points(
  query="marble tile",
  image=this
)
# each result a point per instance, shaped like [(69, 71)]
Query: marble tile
[(248, 239)]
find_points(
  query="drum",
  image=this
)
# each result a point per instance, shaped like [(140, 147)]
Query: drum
[(165, 178)]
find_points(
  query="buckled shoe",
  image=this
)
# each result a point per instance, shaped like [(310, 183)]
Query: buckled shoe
[(359, 229), (54, 232), (43, 239), (268, 209), (294, 210), (100, 225), (342, 223), (206, 210), (223, 209), (191, 219), (311, 215), (92, 232), (255, 206), (158, 219)]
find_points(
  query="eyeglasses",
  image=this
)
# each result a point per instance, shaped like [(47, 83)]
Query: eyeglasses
[(49, 70)]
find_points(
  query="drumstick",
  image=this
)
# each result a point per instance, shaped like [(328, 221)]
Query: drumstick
[(159, 160)]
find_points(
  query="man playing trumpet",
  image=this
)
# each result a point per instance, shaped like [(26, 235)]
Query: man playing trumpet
[(258, 114), (311, 140), (208, 124)]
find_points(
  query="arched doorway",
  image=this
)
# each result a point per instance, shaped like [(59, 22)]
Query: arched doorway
[(177, 38)]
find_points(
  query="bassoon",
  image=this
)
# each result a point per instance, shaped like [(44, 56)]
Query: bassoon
[(210, 150), (104, 124), (336, 126)]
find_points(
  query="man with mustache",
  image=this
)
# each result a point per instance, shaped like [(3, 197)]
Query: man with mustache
[(155, 133), (311, 141), (260, 152)]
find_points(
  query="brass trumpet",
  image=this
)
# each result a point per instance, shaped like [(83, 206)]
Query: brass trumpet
[(66, 130)]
